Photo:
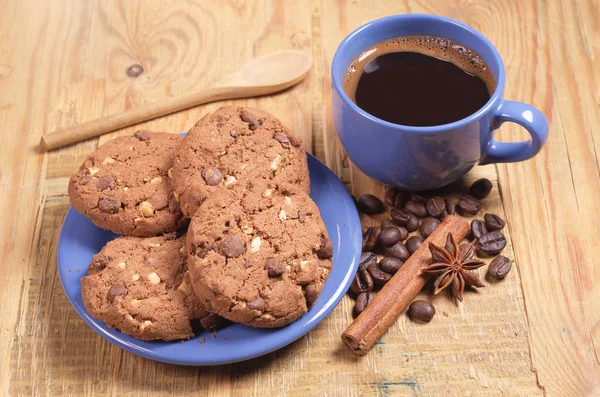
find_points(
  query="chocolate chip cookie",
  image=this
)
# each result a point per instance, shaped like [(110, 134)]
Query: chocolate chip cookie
[(237, 146), (124, 186), (258, 264), (141, 286)]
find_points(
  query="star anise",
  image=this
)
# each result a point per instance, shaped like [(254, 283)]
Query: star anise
[(452, 265)]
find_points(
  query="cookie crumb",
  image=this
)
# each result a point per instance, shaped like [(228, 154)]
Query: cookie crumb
[(445, 314), (202, 340)]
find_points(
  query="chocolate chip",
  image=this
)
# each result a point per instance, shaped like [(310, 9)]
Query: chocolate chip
[(212, 176), (109, 205), (85, 180), (135, 70), (98, 264), (220, 123), (301, 217), (170, 236), (202, 251), (212, 322), (295, 141), (142, 135), (326, 250), (257, 303), (233, 246), (274, 268), (106, 182), (252, 119), (281, 138), (116, 290), (311, 294), (233, 134), (173, 206)]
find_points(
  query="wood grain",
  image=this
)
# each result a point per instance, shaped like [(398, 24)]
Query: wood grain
[(537, 332)]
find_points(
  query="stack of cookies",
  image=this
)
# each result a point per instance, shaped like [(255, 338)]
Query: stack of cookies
[(216, 226)]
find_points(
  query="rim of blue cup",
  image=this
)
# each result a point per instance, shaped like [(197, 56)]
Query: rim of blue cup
[(428, 18)]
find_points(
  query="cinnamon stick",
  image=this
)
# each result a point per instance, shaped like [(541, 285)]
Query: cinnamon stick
[(397, 294)]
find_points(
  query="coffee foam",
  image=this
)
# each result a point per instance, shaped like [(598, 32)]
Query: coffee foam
[(438, 47)]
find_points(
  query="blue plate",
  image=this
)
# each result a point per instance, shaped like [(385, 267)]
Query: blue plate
[(80, 239)]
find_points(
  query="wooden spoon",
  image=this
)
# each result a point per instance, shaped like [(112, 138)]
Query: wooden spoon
[(261, 76)]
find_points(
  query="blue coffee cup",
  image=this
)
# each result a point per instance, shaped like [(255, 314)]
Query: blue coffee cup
[(423, 158)]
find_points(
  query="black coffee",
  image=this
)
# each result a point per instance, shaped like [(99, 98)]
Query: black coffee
[(419, 81)]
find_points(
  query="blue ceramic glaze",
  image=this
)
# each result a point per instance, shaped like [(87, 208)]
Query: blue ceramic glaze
[(80, 239), (422, 158)]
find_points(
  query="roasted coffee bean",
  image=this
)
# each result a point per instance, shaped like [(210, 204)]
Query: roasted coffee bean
[(499, 267), (413, 243), (362, 282), (478, 228), (413, 224), (480, 188), (366, 258), (389, 236), (397, 250), (492, 243), (450, 206), (414, 207), (436, 206), (400, 217), (428, 225), (370, 238), (390, 265), (395, 198), (493, 222), (379, 276), (422, 197), (370, 204), (421, 311), (362, 301), (469, 205), (389, 223)]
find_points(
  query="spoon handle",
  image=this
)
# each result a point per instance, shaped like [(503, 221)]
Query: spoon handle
[(129, 117)]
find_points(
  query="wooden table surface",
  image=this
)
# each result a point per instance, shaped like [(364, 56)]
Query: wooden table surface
[(538, 332)]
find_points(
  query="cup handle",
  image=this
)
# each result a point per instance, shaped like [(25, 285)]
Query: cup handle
[(527, 117)]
